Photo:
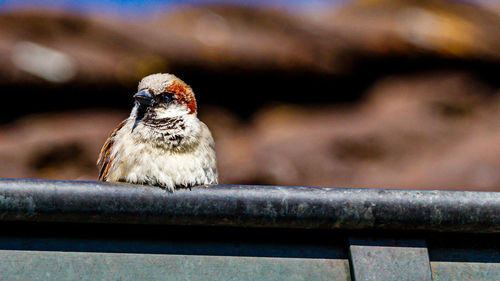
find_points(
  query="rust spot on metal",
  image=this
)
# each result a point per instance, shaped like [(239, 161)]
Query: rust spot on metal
[(184, 95)]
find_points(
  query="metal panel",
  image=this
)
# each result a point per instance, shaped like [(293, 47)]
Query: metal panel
[(36, 265), (466, 259), (465, 271), (250, 206), (388, 260)]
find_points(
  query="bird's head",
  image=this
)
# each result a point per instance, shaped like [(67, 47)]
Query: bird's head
[(162, 96)]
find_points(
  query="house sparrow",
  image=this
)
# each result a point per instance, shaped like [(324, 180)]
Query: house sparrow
[(162, 143)]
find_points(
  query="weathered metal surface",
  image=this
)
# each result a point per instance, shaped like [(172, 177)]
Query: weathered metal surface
[(37, 265), (178, 245), (389, 260), (466, 260), (465, 271), (268, 206)]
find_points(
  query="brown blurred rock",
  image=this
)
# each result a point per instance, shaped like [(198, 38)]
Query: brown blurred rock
[(109, 50), (427, 131), (226, 38), (103, 49), (408, 28), (223, 37), (433, 127), (430, 131), (55, 146)]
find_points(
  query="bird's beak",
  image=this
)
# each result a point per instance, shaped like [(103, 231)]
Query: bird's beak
[(144, 97)]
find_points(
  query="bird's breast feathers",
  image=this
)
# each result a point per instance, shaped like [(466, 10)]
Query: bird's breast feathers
[(165, 158)]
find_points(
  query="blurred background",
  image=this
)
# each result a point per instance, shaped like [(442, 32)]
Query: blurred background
[(368, 93)]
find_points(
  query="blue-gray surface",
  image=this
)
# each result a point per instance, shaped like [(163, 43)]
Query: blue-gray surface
[(401, 260), (267, 206), (33, 265), (454, 271)]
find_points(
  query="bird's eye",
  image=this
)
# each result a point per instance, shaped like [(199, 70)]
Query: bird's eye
[(167, 97)]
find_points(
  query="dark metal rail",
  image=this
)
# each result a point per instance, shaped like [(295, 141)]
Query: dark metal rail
[(253, 206), (91, 230)]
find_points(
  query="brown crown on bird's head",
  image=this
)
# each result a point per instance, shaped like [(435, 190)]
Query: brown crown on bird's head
[(164, 88)]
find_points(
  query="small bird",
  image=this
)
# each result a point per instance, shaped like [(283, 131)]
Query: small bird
[(162, 142)]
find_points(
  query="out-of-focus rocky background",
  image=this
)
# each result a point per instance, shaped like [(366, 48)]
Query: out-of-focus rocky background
[(398, 94)]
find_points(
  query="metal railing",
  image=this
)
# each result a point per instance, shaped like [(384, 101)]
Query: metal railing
[(380, 234)]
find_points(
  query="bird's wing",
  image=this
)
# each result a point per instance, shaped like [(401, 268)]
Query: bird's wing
[(104, 160)]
